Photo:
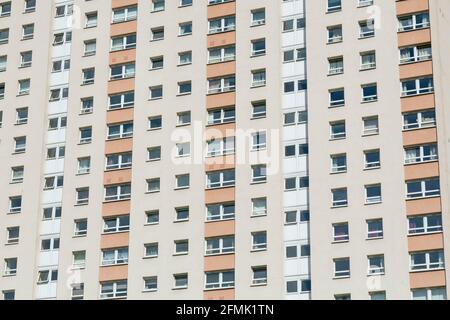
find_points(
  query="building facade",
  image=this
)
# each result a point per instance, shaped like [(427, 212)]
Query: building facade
[(221, 149)]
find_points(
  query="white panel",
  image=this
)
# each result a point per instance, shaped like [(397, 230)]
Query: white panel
[(296, 132), (56, 136), (296, 232), (296, 198), (296, 267), (51, 196), (295, 164), (48, 258), (53, 166), (57, 107), (294, 69), (59, 78), (292, 38), (46, 291), (294, 100), (61, 50), (292, 7), (50, 227), (300, 296)]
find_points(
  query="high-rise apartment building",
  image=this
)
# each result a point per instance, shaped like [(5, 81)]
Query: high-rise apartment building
[(220, 149)]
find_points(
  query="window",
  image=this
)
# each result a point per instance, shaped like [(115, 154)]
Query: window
[(414, 21), (184, 87), (258, 78), (77, 291), (294, 55), (418, 120), (378, 295), (5, 9), (181, 247), (294, 183), (158, 5), (153, 185), (221, 54), (335, 65), (219, 85), (334, 34), (258, 17), (58, 94), (10, 267), (422, 188), (181, 281), (60, 65), (154, 153), (124, 14), (185, 28), (81, 227), (116, 289), (184, 58), (258, 109), (87, 105), (4, 36), (340, 232), (375, 229), (370, 125), (366, 29), (9, 294), (338, 163), (420, 154), (372, 159), (369, 92), (376, 264), (157, 33), (47, 275), (259, 275), (122, 71), (79, 259), (183, 149), (116, 224), (56, 123), (341, 267), (17, 174), (296, 216), (152, 217), (334, 5), (51, 213), (368, 60), (3, 63), (339, 197), (223, 115), (222, 24), (259, 240), (184, 3), (121, 100), (220, 179), (415, 53), (183, 118), (12, 234), (123, 42), (297, 251), (182, 214), (222, 279), (258, 47), (57, 152), (337, 130), (430, 260), (259, 141), (156, 92), (429, 294), (118, 161), (90, 47), (53, 182), (20, 144), (182, 181), (82, 196), (24, 86), (91, 20), (30, 6), (26, 59), (424, 224), (120, 131), (84, 165), (151, 250), (50, 244), (293, 286), (155, 123), (21, 115), (418, 86), (151, 283), (345, 296), (156, 62), (114, 256), (220, 211), (259, 207), (337, 97), (373, 193), (259, 173), (118, 192), (220, 245)]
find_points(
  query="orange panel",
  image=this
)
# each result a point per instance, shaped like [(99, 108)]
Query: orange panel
[(221, 39), (411, 6), (116, 208), (119, 115), (122, 56), (423, 206), (420, 136), (117, 86), (219, 163), (220, 131), (220, 195), (116, 240), (413, 70), (219, 228), (117, 176), (427, 279), (426, 242), (118, 146), (220, 262), (220, 10), (425, 101), (414, 37), (122, 3), (221, 69), (112, 273), (424, 170), (128, 27), (220, 100), (219, 294)]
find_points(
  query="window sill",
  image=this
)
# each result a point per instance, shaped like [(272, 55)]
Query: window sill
[(341, 277), (153, 99), (370, 134), (179, 288), (338, 207), (115, 201), (219, 288), (184, 94), (180, 254), (79, 236), (426, 270), (372, 168), (181, 188), (16, 182), (219, 254), (149, 290), (423, 234), (184, 64), (369, 101), (253, 216), (372, 203), (340, 241), (416, 95), (219, 220), (422, 198), (258, 250), (115, 232), (152, 192), (374, 238), (80, 204), (259, 284), (338, 172), (149, 257)]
